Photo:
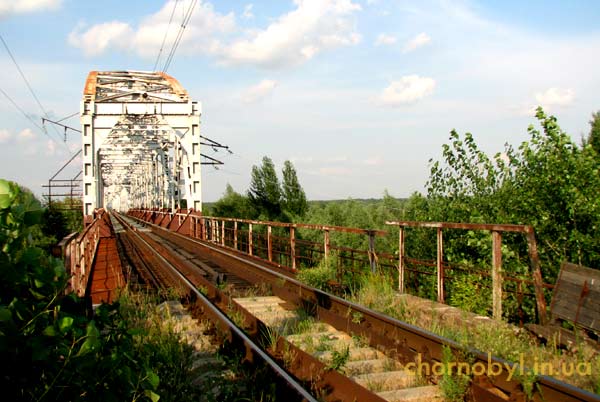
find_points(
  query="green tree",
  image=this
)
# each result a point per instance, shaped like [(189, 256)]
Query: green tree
[(548, 182), (233, 205), (294, 198), (594, 136), (264, 192)]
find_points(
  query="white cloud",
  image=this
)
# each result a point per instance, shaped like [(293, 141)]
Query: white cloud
[(418, 41), (50, 147), (25, 135), (100, 37), (383, 39), (374, 161), (11, 7), (336, 159), (147, 38), (248, 11), (5, 136), (302, 159), (334, 171), (409, 89), (297, 36), (258, 91), (555, 97), (292, 38)]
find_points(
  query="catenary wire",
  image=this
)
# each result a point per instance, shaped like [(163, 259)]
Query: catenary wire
[(20, 109), (165, 36), (184, 23), (33, 94)]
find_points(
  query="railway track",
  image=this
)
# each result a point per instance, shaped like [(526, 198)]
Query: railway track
[(334, 349)]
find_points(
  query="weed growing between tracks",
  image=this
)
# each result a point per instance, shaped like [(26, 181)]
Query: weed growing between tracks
[(498, 338)]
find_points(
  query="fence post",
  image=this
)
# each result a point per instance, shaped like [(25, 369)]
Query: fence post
[(440, 266), (269, 243), (497, 275), (293, 246), (250, 239), (537, 275), (401, 260), (222, 233), (372, 261), (326, 243), (235, 235)]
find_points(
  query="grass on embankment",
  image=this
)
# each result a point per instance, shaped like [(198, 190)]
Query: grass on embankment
[(177, 351), (498, 338), (376, 291)]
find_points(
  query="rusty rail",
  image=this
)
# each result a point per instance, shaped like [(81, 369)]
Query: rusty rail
[(178, 274)]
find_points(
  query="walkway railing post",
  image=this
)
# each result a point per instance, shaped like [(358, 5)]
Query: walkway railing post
[(401, 260), (372, 261), (293, 246), (326, 244), (440, 266), (537, 275), (250, 239), (497, 275), (269, 243), (222, 233), (235, 246)]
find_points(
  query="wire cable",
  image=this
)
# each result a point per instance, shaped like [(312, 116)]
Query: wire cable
[(23, 112), (26, 81), (165, 37), (68, 117), (184, 23)]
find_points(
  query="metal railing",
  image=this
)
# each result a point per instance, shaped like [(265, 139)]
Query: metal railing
[(292, 246), (78, 251)]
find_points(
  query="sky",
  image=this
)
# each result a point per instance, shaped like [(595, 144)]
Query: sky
[(358, 94)]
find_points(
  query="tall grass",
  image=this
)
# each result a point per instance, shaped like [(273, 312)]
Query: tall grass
[(498, 338)]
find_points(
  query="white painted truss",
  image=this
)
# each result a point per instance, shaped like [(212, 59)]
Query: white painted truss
[(141, 142)]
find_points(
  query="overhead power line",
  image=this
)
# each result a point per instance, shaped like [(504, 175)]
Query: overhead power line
[(68, 117), (23, 112), (186, 20), (165, 37), (33, 94)]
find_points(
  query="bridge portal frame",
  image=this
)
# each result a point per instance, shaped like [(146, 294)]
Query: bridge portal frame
[(165, 157)]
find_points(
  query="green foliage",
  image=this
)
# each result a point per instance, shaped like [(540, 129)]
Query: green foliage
[(266, 199), (465, 293), (593, 138), (453, 386), (548, 182), (233, 205), (339, 358), (49, 348), (264, 191), (318, 277), (294, 198)]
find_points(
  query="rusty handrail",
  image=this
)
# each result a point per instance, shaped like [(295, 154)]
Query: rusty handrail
[(497, 277)]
